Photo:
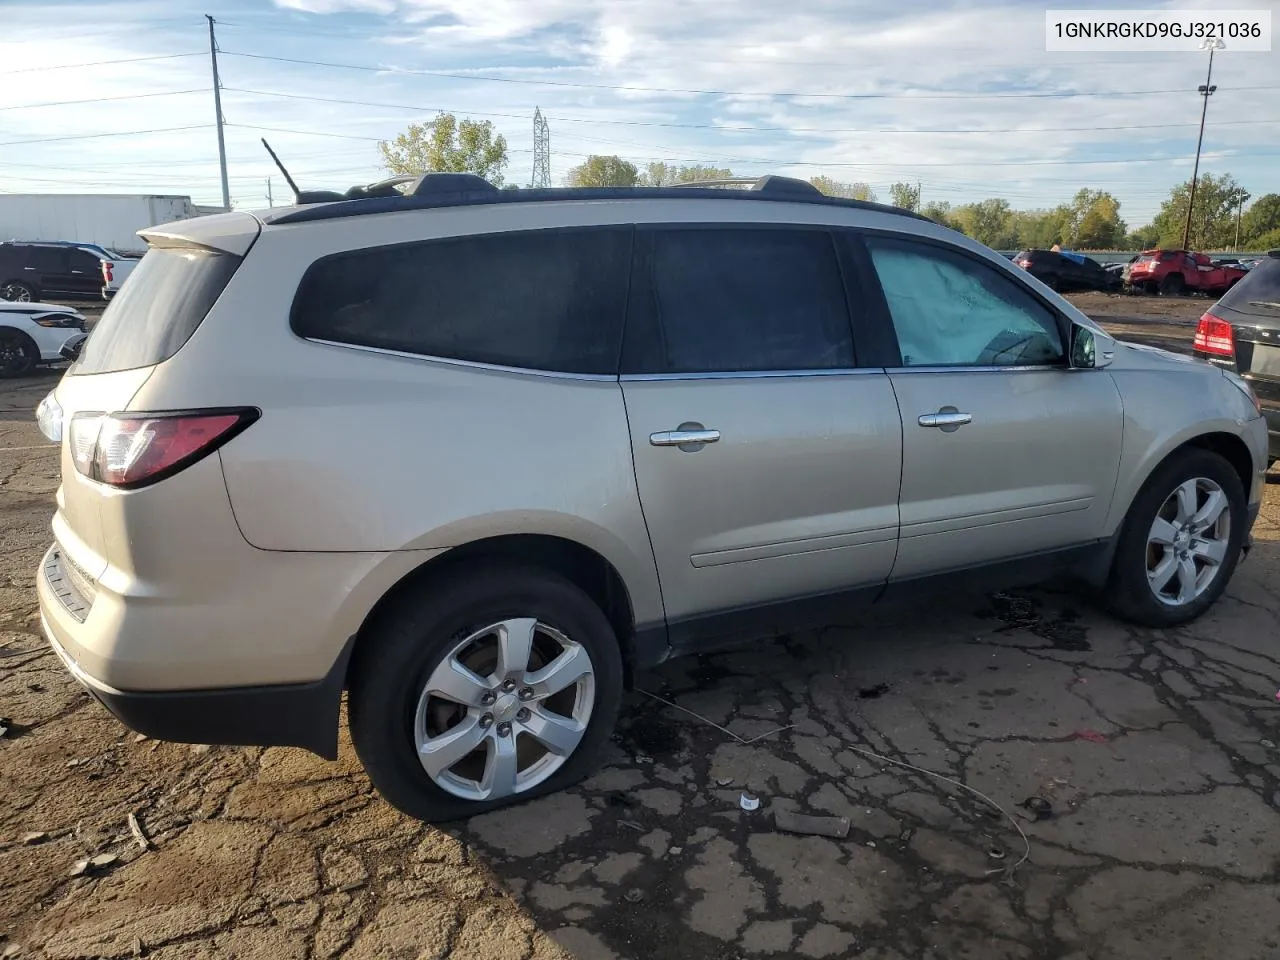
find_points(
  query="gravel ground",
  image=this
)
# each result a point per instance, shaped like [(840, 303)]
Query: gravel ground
[(1154, 750)]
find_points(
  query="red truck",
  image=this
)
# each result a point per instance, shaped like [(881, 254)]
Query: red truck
[(1179, 271)]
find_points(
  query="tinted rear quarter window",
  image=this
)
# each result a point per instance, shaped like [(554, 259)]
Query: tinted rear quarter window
[(543, 300), (1258, 291), (157, 309), (735, 300)]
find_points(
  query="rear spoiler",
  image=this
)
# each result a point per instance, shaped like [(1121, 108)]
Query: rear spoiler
[(232, 233)]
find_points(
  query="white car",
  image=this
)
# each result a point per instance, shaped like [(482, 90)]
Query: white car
[(32, 333)]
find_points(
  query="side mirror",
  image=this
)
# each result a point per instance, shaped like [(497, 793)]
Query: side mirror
[(1090, 350)]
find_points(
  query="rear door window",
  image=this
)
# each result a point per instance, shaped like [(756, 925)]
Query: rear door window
[(154, 314), (542, 300), (1258, 292), (711, 300)]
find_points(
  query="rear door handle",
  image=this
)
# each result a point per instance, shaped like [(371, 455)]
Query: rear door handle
[(679, 438), (949, 419)]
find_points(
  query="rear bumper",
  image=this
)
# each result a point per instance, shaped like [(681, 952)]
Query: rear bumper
[(284, 715)]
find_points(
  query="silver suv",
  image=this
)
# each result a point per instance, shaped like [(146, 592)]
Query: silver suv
[(475, 456)]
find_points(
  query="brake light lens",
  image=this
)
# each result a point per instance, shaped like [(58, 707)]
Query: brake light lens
[(1214, 336), (106, 271), (1024, 263), (128, 451)]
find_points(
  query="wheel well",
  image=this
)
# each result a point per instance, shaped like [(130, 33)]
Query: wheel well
[(22, 334), (1232, 449), (580, 565)]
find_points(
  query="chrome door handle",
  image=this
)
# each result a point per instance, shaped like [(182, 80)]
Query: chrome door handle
[(945, 419), (678, 438)]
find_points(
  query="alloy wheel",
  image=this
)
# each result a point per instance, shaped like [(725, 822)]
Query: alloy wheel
[(504, 709), (1188, 541)]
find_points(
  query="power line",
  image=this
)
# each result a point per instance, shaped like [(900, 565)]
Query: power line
[(721, 93), (117, 133), (718, 126), (103, 63), (127, 96)]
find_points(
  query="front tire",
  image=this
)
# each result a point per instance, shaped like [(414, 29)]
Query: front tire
[(493, 686), (1180, 542), (18, 354)]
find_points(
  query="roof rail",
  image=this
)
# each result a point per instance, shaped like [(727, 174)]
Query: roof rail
[(770, 183), (425, 184)]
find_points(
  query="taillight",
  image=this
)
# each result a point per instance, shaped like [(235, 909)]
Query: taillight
[(106, 271), (131, 450), (1213, 335), (1024, 264)]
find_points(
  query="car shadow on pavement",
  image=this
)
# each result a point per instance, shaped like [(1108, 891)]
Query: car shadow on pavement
[(1133, 761)]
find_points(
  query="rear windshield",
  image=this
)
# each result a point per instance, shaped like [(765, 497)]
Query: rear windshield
[(1258, 291), (157, 309)]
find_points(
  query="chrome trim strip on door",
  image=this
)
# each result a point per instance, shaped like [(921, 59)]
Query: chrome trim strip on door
[(749, 375)]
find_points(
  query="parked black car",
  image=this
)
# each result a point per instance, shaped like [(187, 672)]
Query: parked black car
[(30, 272), (1242, 333), (1061, 272)]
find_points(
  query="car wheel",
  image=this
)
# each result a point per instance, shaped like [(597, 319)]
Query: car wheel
[(18, 354), (1172, 285), (15, 291), (1180, 541), (492, 687), (1151, 287)]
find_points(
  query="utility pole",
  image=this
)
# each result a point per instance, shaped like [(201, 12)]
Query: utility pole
[(1206, 91), (217, 106), (271, 202), (1241, 197)]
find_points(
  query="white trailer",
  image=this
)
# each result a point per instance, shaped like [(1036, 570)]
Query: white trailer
[(109, 220)]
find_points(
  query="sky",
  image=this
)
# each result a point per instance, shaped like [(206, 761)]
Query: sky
[(958, 95)]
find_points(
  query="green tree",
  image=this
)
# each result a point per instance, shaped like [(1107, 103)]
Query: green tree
[(1092, 220), (1038, 229), (1143, 238), (661, 174), (601, 171), (850, 191), (988, 221), (445, 145), (1213, 219), (940, 212), (905, 195), (1262, 217), (1267, 241)]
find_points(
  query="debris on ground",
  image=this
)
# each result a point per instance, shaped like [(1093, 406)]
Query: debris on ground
[(1269, 744), (1093, 736), (634, 895), (139, 738), (5, 724), (139, 837), (34, 837), (789, 822), (749, 801), (1038, 807), (11, 950), (724, 781), (995, 853), (93, 864), (873, 693)]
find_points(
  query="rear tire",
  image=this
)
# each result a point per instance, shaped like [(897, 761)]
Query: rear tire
[(15, 291), (1172, 285), (400, 725), (1134, 591), (18, 354)]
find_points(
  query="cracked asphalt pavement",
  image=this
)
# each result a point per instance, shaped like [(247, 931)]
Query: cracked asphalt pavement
[(1153, 754)]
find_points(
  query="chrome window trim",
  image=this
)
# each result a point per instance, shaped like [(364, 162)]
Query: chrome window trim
[(471, 364), (976, 368), (750, 374)]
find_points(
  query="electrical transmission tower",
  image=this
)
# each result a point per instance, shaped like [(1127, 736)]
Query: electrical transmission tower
[(541, 150)]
